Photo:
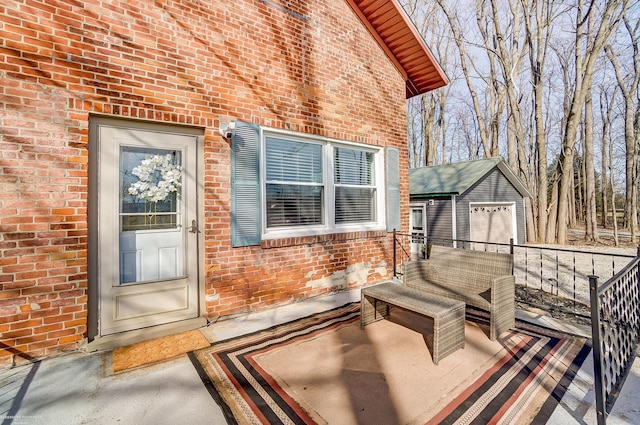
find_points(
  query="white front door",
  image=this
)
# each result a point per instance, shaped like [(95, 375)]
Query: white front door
[(148, 234)]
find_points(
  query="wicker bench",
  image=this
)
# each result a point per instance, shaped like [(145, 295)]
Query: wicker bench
[(480, 279), (448, 314)]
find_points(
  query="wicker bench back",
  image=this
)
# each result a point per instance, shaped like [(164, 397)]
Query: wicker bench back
[(458, 268)]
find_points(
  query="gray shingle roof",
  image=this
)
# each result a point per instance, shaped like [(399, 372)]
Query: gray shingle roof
[(456, 178)]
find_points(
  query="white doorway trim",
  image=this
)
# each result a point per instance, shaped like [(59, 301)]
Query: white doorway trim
[(98, 341)]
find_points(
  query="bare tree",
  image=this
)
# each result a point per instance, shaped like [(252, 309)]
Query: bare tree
[(427, 112), (591, 218), (605, 119), (538, 20), (613, 195), (510, 52), (413, 135), (553, 208), (458, 37), (508, 94), (433, 124), (510, 60), (588, 46), (606, 110), (495, 90), (629, 88)]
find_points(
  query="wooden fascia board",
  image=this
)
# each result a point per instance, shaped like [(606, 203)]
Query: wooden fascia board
[(422, 43), (378, 39), (509, 174)]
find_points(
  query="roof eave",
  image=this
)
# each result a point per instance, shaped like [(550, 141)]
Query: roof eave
[(514, 179), (434, 195), (420, 70)]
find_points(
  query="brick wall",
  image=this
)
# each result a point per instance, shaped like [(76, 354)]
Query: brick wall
[(307, 66)]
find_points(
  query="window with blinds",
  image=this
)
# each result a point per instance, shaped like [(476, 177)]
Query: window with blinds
[(355, 191), (313, 185), (287, 185), (294, 183)]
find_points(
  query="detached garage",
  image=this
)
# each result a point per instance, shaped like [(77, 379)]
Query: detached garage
[(481, 200)]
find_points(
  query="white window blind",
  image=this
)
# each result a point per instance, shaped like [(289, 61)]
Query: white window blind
[(355, 191), (294, 183)]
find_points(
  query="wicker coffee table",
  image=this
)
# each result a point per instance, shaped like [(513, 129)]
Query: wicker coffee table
[(448, 314)]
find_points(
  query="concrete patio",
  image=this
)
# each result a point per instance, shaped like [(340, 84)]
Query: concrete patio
[(79, 388)]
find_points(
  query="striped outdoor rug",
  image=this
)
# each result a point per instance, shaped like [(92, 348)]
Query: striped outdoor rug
[(325, 369), (524, 386)]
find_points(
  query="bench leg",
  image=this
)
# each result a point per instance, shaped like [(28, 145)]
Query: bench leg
[(372, 310), (501, 322), (448, 334)]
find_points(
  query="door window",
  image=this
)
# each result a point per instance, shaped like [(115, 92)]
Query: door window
[(150, 198), (417, 229), (150, 183)]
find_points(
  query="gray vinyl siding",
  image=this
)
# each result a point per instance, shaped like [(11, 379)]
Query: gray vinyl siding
[(439, 220), (494, 187)]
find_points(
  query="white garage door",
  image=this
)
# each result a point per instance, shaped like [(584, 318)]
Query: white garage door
[(492, 223)]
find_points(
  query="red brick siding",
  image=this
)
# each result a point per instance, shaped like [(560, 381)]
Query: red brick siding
[(307, 66)]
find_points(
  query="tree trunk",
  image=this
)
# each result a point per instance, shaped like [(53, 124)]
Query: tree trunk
[(553, 211), (578, 209), (584, 67), (614, 217), (591, 218), (458, 39), (629, 94), (509, 60), (605, 115), (538, 20), (425, 112), (429, 145)]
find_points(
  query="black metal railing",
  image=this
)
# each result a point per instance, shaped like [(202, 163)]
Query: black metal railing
[(615, 329)]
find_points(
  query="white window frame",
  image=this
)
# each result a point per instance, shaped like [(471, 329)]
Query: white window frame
[(329, 225)]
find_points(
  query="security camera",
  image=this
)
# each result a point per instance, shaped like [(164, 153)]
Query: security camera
[(227, 129)]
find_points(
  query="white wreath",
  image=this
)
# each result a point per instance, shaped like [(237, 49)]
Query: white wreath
[(157, 178)]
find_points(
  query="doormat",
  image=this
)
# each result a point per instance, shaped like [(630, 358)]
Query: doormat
[(156, 350), (325, 369)]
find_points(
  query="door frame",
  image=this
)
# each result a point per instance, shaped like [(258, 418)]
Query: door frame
[(96, 341), (422, 206)]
